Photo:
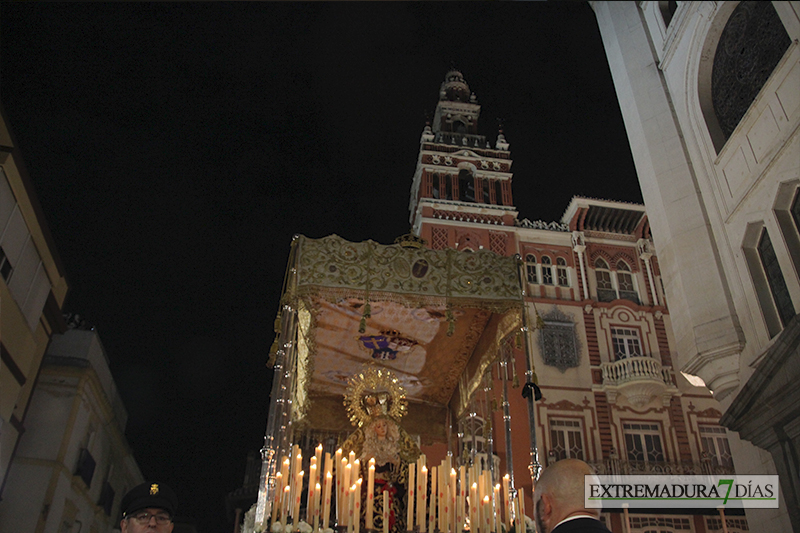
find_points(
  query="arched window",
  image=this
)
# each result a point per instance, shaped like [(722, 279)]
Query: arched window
[(627, 290), (530, 268), (547, 270), (466, 186), (561, 272), (435, 184), (605, 288), (769, 283), (777, 284), (614, 284), (448, 185)]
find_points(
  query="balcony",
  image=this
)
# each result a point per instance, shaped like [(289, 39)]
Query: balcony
[(640, 379), (615, 466)]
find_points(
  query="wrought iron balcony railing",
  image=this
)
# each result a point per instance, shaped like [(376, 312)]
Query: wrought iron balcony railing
[(624, 467)]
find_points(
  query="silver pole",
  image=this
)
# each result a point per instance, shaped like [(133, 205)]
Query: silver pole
[(507, 418), (274, 439), (534, 466)]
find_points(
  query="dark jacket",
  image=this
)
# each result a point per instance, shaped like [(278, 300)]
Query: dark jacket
[(582, 525)]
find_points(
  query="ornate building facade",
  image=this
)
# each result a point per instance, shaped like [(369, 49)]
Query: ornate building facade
[(710, 96), (603, 352)]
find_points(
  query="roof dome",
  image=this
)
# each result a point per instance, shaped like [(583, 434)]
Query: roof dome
[(454, 88)]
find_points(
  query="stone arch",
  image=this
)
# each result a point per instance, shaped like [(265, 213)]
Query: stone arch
[(732, 16), (599, 252), (631, 262)]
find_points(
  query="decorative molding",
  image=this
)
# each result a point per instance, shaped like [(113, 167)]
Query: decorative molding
[(541, 224)]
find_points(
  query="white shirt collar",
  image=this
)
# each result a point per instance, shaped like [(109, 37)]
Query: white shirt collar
[(575, 517)]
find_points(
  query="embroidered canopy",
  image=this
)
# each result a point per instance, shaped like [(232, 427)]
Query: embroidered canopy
[(433, 317)]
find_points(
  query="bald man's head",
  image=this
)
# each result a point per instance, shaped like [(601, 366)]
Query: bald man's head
[(559, 493)]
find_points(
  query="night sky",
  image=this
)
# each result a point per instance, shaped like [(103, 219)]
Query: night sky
[(176, 148)]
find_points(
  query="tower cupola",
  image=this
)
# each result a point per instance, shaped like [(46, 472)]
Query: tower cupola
[(460, 176)]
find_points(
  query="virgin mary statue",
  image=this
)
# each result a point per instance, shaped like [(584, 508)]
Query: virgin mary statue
[(375, 401)]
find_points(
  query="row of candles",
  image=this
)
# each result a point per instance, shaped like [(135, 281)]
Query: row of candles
[(461, 497)]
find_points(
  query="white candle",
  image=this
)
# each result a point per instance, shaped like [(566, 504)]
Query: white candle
[(452, 523), (462, 493), (318, 455), (521, 495), (422, 496), (440, 503), (507, 498), (487, 513), (316, 508), (339, 472), (326, 509), (287, 492), (357, 502), (276, 501), (371, 494), (346, 490), (312, 482), (474, 517), (297, 497), (349, 495), (410, 509), (495, 515)]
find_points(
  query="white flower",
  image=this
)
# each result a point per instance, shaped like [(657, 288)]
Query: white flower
[(530, 525), (304, 527), (277, 527), (289, 528)]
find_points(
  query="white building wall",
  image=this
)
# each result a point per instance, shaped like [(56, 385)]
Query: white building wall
[(707, 206), (75, 405)]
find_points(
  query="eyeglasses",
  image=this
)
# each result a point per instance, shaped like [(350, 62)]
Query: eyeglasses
[(144, 517)]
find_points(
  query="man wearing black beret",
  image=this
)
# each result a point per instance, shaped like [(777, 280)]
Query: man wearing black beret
[(148, 507)]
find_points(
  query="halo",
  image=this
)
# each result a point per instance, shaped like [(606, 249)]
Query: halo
[(373, 380)]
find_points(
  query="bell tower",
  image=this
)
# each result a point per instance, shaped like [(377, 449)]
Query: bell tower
[(460, 179)]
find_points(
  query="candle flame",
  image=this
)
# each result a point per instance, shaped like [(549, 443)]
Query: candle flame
[(424, 469), (328, 474), (507, 477), (474, 485), (318, 487), (452, 471), (319, 446), (286, 460), (287, 488), (372, 462), (486, 499), (497, 487)]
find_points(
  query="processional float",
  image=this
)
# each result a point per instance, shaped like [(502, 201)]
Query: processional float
[(381, 348)]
